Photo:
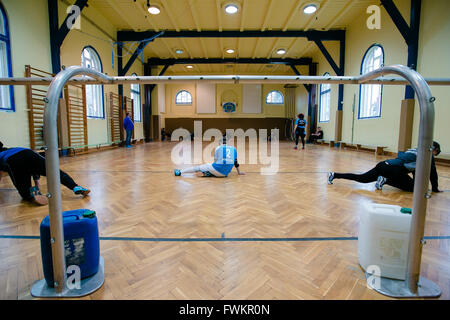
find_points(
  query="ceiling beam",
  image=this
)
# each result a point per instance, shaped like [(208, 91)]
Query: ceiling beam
[(219, 15), (171, 15), (312, 20), (197, 26), (292, 15), (244, 10), (154, 27), (121, 13), (287, 61), (341, 14), (264, 25)]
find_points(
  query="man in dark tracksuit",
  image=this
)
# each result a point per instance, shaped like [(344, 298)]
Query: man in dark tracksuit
[(394, 172), (22, 164)]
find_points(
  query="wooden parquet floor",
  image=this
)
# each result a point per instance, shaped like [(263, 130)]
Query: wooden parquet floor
[(283, 236)]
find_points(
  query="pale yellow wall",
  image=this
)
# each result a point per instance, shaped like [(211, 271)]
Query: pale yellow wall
[(324, 66), (173, 111), (273, 110), (301, 100), (73, 45), (30, 44), (384, 130), (434, 61), (434, 50)]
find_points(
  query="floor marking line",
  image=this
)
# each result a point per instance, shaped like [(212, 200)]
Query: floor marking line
[(222, 239)]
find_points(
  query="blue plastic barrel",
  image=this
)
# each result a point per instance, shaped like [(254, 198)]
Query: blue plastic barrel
[(81, 243)]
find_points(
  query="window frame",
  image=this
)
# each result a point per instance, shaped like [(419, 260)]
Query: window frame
[(275, 103), (138, 93), (320, 100), (6, 38), (360, 86), (101, 86), (183, 103)]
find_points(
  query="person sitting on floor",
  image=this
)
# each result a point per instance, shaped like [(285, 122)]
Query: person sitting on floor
[(394, 172), (225, 158), (316, 135)]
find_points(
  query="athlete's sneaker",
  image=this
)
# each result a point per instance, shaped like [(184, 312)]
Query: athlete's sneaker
[(177, 172), (380, 183), (81, 190), (330, 177), (303, 148), (295, 147)]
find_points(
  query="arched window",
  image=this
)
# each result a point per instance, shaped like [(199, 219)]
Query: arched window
[(136, 97), (94, 93), (274, 97), (6, 92), (183, 97), (324, 104), (370, 94)]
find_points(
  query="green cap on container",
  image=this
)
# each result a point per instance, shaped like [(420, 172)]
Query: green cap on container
[(406, 210), (89, 214)]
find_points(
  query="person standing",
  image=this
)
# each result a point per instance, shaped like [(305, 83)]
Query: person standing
[(128, 125), (300, 130)]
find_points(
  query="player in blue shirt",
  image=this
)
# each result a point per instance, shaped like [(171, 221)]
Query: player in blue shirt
[(300, 130), (22, 164), (128, 126), (225, 158)]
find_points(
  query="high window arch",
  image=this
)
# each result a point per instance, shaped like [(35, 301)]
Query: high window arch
[(6, 92), (370, 95), (94, 93), (183, 97), (324, 101), (136, 97), (275, 97)]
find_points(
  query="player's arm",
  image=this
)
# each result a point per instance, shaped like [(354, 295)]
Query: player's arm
[(236, 164), (36, 179)]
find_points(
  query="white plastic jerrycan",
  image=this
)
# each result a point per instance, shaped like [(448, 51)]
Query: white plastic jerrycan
[(383, 239)]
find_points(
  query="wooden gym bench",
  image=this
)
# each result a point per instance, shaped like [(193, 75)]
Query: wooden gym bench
[(379, 150), (323, 141)]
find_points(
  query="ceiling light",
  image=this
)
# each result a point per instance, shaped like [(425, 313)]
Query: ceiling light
[(189, 66), (179, 51), (231, 8), (281, 51), (310, 9), (230, 51), (153, 9)]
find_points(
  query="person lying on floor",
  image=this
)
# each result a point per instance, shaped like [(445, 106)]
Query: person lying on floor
[(394, 172), (21, 164)]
